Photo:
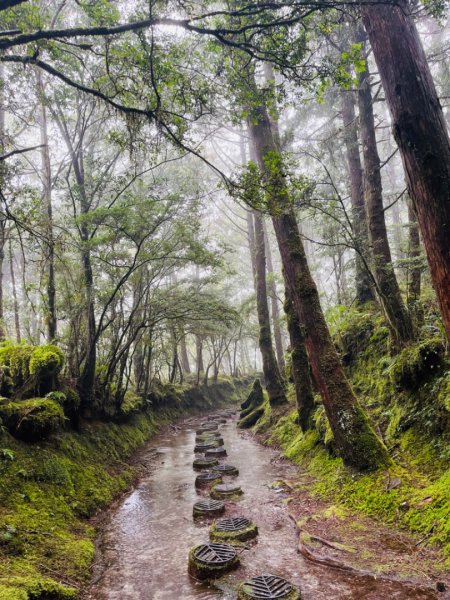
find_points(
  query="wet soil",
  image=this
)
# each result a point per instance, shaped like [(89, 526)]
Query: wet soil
[(145, 539)]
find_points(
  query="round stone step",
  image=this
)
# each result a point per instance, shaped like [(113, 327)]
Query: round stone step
[(207, 435), (236, 528), (208, 508), (207, 478), (209, 428), (229, 470), (267, 587), (226, 491), (210, 424), (210, 561), (204, 463), (204, 446), (216, 452)]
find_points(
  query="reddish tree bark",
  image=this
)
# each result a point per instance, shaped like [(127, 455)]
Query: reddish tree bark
[(397, 315), (354, 438), (364, 292), (420, 131)]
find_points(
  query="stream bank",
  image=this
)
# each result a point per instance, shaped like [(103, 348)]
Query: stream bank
[(146, 538), (49, 489)]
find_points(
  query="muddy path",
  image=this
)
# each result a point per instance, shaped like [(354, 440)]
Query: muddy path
[(145, 539)]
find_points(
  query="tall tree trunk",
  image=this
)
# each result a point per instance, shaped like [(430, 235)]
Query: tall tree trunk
[(251, 242), (397, 315), (300, 366), (14, 292), (48, 211), (2, 180), (354, 439), (86, 383), (415, 269), (139, 349), (184, 355), (364, 288), (273, 380), (272, 289), (199, 357), (420, 131)]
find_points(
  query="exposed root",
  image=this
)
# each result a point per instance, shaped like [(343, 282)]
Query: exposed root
[(332, 563)]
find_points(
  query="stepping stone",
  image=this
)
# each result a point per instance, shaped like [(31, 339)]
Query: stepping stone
[(267, 587), (226, 490), (210, 561), (204, 463), (207, 429), (208, 508), (208, 478), (204, 446), (216, 452), (207, 435), (236, 528), (226, 470)]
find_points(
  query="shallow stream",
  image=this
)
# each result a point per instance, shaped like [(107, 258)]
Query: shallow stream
[(145, 540)]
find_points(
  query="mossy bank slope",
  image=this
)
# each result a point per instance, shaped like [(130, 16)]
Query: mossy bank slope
[(407, 397), (48, 489)]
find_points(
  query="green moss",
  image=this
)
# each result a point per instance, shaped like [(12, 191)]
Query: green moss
[(421, 502), (417, 363), (242, 535), (48, 489), (29, 370), (203, 571), (32, 420), (30, 588), (46, 361), (254, 399)]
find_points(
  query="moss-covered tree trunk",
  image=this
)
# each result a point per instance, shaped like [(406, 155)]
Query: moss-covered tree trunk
[(363, 281), (300, 366), (354, 438), (272, 377), (397, 315), (420, 131), (2, 216)]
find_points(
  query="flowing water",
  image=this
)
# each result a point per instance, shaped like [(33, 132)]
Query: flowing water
[(146, 539)]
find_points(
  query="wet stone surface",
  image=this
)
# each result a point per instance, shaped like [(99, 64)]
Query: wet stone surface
[(216, 452), (228, 470), (208, 507), (207, 479), (145, 541)]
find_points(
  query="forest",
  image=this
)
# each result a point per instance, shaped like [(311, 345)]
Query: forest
[(215, 205)]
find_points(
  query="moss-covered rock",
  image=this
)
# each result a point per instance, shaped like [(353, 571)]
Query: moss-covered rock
[(203, 570), (29, 370), (252, 418), (226, 491), (254, 399), (417, 363), (200, 464), (29, 588), (249, 532), (32, 420)]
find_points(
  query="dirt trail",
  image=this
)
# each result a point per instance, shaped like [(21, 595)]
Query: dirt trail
[(145, 539)]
